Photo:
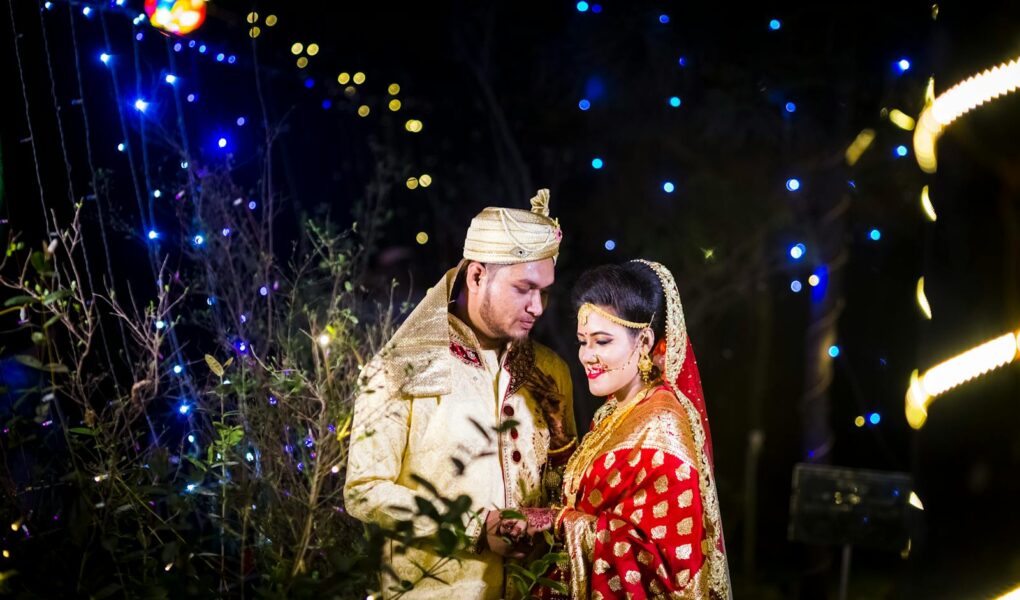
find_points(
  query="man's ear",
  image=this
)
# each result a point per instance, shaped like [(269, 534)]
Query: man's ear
[(474, 276)]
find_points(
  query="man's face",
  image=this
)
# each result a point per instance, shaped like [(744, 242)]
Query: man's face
[(512, 297)]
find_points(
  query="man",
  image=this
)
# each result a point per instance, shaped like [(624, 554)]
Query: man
[(462, 398)]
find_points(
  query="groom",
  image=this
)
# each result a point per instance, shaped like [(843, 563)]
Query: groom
[(461, 397)]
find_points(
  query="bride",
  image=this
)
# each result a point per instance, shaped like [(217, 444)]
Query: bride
[(640, 514)]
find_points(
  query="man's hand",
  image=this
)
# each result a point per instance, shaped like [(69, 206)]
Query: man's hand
[(503, 536)]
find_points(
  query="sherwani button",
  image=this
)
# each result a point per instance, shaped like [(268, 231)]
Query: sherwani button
[(508, 410), (513, 433), (516, 456)]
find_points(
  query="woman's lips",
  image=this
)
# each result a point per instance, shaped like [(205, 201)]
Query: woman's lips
[(594, 373)]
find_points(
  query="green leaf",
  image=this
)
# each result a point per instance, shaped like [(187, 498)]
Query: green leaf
[(214, 365), (509, 513), (54, 296), (19, 300), (82, 431), (556, 586), (52, 320)]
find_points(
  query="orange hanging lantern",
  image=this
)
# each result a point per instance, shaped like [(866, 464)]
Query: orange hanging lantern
[(179, 17)]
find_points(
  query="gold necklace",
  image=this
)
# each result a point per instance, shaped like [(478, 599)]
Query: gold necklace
[(591, 446)]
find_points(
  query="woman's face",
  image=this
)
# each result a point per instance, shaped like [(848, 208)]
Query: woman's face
[(609, 353)]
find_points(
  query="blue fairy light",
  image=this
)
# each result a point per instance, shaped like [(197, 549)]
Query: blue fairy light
[(191, 439), (153, 234), (272, 401), (241, 121), (682, 61), (610, 245), (191, 44), (105, 58), (327, 104), (797, 251), (875, 418), (139, 36), (87, 11), (211, 300), (231, 59), (309, 442), (184, 408), (875, 234), (121, 147), (220, 57), (202, 48), (793, 184), (674, 101), (191, 487), (170, 78), (309, 83), (596, 163), (582, 6), (584, 104), (252, 205), (178, 47), (157, 193), (198, 240), (160, 324), (796, 286), (668, 187), (249, 456), (901, 151), (664, 19), (791, 107), (903, 65), (833, 351), (222, 142), (263, 291), (596, 8), (192, 97), (141, 105), (225, 232), (178, 369), (775, 24)]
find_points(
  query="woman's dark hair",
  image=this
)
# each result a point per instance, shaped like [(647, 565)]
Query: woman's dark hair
[(632, 290)]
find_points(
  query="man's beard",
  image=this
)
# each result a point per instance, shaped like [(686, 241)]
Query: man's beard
[(488, 314)]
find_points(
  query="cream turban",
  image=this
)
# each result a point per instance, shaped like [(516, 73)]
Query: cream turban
[(506, 236)]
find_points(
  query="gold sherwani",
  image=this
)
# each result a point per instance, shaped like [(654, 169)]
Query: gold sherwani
[(416, 417)]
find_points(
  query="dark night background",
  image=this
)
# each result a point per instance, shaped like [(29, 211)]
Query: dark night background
[(497, 87)]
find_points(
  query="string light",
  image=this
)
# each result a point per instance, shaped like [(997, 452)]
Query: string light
[(582, 6), (924, 389), (674, 101), (312, 49), (922, 299), (610, 245), (324, 340), (393, 89), (775, 24), (425, 180), (584, 104), (957, 101), (903, 65), (901, 151), (664, 19), (394, 105), (358, 78), (184, 408), (793, 184), (141, 105), (668, 187), (343, 78), (170, 78), (364, 110), (297, 48), (790, 107), (860, 144), (105, 58), (596, 163), (875, 234), (797, 251), (859, 421), (271, 20), (412, 183), (796, 286), (901, 120), (926, 205), (422, 238)]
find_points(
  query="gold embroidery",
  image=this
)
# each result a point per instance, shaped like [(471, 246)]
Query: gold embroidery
[(645, 557), (615, 524), (661, 484), (683, 578), (636, 534), (614, 583), (683, 472), (683, 552), (684, 527), (632, 576), (685, 498), (660, 509), (655, 587), (621, 548), (658, 532), (661, 571), (634, 458), (658, 459), (595, 497), (610, 459), (618, 510), (614, 478), (640, 477), (601, 566), (635, 516), (640, 497), (602, 536)]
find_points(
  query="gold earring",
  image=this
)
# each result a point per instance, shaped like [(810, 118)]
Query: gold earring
[(645, 367)]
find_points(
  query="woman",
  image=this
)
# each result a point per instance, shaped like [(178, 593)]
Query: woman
[(640, 516)]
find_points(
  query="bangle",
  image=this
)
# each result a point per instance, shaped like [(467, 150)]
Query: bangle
[(569, 445)]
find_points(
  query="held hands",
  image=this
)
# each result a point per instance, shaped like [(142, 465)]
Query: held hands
[(511, 532)]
